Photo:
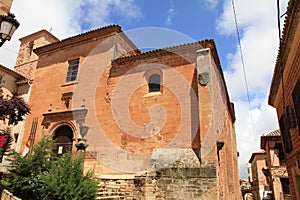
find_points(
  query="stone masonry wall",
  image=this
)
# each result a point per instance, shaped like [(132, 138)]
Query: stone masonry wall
[(170, 183), (116, 186), (5, 6), (6, 195)]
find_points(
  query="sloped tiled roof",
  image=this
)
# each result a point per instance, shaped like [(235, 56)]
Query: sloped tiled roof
[(169, 50), (12, 73), (272, 135), (256, 154)]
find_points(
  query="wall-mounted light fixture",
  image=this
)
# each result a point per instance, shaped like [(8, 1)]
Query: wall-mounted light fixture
[(8, 25)]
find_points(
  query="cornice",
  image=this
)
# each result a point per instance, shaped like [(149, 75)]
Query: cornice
[(256, 154), (41, 32), (167, 51), (81, 38)]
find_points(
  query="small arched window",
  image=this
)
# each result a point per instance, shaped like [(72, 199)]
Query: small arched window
[(154, 83), (63, 139)]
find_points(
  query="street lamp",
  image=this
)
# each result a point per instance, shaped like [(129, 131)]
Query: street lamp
[(82, 145), (8, 25)]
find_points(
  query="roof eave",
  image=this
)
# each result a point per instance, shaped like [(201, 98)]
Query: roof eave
[(104, 31), (16, 75), (43, 31)]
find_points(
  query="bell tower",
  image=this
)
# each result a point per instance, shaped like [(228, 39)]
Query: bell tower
[(5, 6), (27, 59)]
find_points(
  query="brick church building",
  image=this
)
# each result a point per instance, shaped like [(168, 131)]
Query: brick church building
[(159, 123)]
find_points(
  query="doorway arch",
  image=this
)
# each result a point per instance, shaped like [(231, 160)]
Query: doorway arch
[(63, 137)]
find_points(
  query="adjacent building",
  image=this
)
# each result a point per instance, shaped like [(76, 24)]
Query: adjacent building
[(12, 82), (285, 94), (246, 189), (259, 186), (275, 170)]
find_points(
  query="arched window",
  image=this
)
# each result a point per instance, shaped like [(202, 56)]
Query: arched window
[(63, 139), (154, 83)]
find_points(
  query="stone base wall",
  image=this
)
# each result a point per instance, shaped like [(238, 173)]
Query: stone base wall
[(6, 195), (116, 186), (170, 183)]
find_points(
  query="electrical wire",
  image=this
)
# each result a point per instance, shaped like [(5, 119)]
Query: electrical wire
[(244, 71)]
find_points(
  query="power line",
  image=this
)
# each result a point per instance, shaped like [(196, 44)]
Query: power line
[(243, 65)]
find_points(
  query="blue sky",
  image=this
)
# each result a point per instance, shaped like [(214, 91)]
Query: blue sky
[(197, 19)]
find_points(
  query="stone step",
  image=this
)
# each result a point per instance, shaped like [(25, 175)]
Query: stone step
[(105, 193), (110, 198)]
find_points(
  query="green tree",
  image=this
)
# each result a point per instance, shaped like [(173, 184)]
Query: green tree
[(65, 180), (43, 175), (12, 108), (24, 172)]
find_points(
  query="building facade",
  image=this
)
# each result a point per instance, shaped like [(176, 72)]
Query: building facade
[(285, 94), (275, 171), (154, 118)]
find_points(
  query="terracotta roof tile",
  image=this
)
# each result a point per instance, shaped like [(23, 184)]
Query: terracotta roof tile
[(169, 50), (272, 133), (77, 38)]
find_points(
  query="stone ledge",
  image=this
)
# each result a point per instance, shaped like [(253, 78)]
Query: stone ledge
[(117, 176)]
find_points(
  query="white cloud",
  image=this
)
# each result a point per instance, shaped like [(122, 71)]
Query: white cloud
[(257, 22), (56, 14), (97, 13), (211, 4), (248, 136), (259, 47), (64, 18), (170, 14), (249, 13)]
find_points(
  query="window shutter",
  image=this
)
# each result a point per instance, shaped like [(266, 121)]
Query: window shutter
[(285, 133), (291, 118)]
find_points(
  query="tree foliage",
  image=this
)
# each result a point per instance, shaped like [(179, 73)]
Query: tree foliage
[(9, 141), (12, 108), (43, 175), (65, 180)]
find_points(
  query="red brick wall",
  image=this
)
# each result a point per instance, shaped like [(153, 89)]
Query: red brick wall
[(121, 88), (290, 76)]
